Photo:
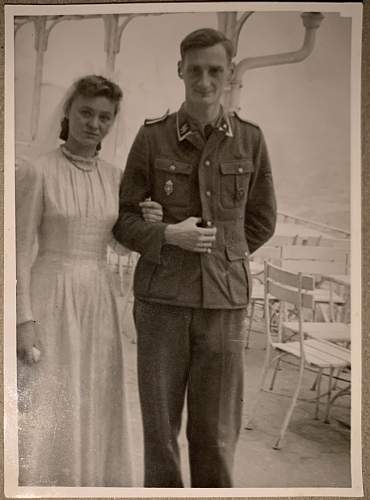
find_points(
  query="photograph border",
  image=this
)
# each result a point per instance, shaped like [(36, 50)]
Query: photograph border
[(356, 491)]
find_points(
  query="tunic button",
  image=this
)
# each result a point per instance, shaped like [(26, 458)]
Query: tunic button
[(172, 167), (208, 194), (240, 170), (207, 163)]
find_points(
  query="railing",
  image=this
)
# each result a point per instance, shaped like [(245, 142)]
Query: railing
[(334, 231)]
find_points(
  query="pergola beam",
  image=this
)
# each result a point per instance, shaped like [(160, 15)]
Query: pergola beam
[(43, 26), (113, 35)]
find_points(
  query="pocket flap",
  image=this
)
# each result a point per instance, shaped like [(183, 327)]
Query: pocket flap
[(236, 253), (237, 167), (173, 166)]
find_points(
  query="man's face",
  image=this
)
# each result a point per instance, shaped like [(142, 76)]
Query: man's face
[(205, 72)]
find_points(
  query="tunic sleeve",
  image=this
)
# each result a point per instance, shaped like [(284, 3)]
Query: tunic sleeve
[(146, 238), (29, 207), (261, 211)]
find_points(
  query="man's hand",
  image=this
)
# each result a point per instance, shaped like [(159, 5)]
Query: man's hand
[(189, 236), (151, 211), (26, 337)]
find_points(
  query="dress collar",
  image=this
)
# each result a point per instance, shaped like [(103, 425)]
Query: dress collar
[(80, 162)]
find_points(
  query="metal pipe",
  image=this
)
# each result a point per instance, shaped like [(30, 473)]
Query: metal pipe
[(287, 57), (311, 21)]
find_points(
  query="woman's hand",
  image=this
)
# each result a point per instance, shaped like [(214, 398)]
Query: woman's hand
[(26, 337), (151, 211)]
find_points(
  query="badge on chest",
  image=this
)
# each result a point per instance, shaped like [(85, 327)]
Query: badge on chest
[(168, 187)]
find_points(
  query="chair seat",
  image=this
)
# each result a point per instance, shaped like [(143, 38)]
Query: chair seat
[(320, 295), (318, 353), (334, 332), (323, 295)]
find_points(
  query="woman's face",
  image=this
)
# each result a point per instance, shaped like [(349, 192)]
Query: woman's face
[(90, 119)]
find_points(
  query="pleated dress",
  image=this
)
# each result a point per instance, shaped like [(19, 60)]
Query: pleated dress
[(73, 419)]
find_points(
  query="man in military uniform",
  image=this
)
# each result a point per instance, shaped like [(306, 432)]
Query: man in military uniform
[(211, 173)]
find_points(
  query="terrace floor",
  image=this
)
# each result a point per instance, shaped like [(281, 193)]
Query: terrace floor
[(314, 454)]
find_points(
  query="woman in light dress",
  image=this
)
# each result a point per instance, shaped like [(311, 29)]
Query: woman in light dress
[(73, 427)]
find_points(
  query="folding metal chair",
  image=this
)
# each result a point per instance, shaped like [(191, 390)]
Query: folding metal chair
[(293, 289)]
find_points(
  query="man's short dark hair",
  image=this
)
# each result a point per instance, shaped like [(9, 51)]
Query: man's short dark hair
[(206, 37)]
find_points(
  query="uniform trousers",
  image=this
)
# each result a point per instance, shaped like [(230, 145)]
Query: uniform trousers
[(198, 353)]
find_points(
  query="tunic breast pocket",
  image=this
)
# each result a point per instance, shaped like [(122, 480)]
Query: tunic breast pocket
[(172, 182), (234, 182)]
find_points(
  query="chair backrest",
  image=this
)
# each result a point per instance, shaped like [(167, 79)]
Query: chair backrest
[(287, 287), (315, 259), (342, 289), (270, 253), (311, 241), (279, 240), (343, 243)]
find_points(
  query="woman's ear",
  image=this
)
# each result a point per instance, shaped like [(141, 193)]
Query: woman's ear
[(179, 69)]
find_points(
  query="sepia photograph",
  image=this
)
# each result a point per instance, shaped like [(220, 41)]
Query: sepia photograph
[(182, 307)]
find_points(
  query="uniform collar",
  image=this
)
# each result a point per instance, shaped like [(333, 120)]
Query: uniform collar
[(186, 125)]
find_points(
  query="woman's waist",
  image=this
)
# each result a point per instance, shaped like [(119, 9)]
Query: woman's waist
[(73, 255)]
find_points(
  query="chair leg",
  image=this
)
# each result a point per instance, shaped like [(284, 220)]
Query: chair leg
[(281, 319), (289, 414), (252, 304), (324, 313), (277, 364), (266, 366), (318, 392), (314, 385), (330, 386), (120, 272), (335, 383)]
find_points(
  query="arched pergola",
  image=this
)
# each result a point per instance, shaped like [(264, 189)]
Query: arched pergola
[(230, 23)]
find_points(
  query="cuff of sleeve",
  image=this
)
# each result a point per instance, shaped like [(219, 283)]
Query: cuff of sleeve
[(154, 250), (23, 316), (118, 248), (24, 310)]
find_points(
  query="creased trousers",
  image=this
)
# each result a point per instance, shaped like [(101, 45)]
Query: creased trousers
[(199, 352)]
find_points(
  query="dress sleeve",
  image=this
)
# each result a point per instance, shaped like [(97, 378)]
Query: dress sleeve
[(118, 248), (28, 208)]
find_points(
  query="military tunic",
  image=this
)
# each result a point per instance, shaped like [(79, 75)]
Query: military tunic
[(225, 180)]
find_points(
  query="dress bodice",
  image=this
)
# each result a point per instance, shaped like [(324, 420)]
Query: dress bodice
[(69, 207), (74, 238)]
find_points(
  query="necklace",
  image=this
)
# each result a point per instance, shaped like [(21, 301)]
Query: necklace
[(80, 162)]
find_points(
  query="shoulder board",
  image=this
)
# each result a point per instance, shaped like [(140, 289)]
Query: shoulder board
[(151, 121), (244, 120)]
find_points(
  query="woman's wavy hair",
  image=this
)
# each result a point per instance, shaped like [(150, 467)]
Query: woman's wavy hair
[(90, 86)]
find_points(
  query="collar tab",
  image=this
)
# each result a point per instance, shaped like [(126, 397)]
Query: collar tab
[(224, 125)]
